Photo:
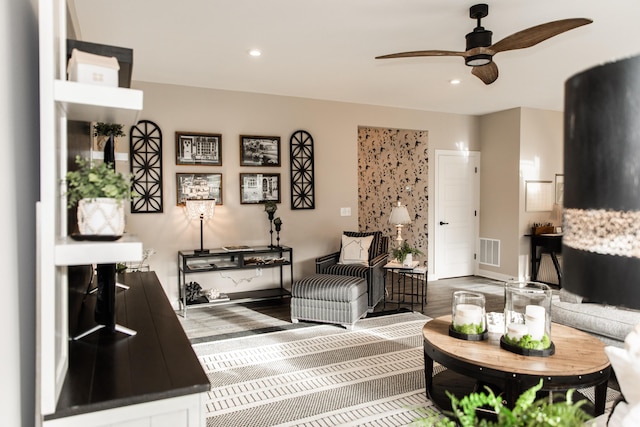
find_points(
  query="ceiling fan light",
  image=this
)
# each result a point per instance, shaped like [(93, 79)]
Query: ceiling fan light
[(479, 37), (478, 60)]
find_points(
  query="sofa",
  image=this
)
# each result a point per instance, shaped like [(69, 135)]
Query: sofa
[(608, 323)]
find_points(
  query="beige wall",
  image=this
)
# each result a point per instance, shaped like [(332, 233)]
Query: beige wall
[(334, 127), (499, 169), (541, 158), (517, 145)]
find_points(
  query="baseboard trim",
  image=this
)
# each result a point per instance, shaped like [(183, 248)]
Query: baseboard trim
[(494, 276)]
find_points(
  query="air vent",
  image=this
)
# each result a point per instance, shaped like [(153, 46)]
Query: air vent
[(490, 252)]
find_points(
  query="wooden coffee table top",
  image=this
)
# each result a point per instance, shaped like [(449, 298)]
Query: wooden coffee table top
[(576, 352)]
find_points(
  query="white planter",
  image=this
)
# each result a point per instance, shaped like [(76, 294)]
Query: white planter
[(101, 216), (408, 260)]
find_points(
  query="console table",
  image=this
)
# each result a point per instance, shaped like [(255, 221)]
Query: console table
[(245, 258), (119, 380), (545, 243)]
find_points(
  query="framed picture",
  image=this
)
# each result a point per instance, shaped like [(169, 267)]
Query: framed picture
[(538, 196), (194, 148), (259, 187), (198, 186), (259, 150)]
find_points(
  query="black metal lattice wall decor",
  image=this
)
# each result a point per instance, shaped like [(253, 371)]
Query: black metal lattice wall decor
[(145, 146), (303, 194)]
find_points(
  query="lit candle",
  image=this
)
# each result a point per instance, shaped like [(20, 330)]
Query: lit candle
[(535, 319), (468, 314)]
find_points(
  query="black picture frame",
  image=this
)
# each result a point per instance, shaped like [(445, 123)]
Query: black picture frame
[(259, 188), (259, 150), (197, 148), (198, 186)]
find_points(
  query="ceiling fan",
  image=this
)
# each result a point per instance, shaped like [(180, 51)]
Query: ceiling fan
[(479, 51)]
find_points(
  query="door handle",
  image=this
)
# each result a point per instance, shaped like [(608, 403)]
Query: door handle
[(444, 223)]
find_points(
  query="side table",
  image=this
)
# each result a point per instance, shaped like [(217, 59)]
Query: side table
[(579, 361), (401, 274)]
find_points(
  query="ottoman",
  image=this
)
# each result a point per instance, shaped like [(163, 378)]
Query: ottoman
[(329, 298)]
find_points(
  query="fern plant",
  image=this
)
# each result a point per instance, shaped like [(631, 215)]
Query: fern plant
[(401, 252), (527, 412)]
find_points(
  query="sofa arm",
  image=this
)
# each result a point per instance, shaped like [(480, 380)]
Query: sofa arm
[(326, 261), (376, 279), (379, 261)]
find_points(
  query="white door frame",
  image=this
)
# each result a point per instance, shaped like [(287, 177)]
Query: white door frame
[(437, 230)]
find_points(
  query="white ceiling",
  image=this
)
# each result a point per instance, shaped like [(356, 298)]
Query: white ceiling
[(325, 49)]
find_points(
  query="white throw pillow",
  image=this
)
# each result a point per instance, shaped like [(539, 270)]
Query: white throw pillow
[(355, 250)]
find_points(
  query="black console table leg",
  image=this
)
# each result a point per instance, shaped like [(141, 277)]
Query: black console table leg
[(105, 311)]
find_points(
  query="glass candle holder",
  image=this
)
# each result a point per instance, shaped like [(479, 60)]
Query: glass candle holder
[(468, 319), (527, 317)]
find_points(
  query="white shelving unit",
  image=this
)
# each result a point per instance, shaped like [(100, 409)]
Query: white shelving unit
[(85, 102), (62, 100), (73, 252)]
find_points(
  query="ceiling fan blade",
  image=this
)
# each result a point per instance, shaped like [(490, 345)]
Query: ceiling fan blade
[(534, 35), (422, 53), (487, 73)]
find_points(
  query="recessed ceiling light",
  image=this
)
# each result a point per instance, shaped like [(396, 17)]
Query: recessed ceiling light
[(255, 52), (454, 81)]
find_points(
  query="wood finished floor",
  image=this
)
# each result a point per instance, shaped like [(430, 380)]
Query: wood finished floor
[(439, 295), (237, 319)]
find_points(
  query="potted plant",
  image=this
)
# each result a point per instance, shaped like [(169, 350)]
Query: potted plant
[(99, 192), (404, 253), (528, 411), (109, 132)]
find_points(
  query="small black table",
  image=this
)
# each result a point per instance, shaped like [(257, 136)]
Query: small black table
[(541, 244), (417, 278)]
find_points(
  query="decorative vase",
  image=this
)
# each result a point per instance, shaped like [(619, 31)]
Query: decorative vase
[(468, 319), (101, 216), (109, 150), (527, 317), (600, 255), (408, 260)]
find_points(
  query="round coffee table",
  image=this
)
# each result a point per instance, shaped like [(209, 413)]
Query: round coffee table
[(579, 361)]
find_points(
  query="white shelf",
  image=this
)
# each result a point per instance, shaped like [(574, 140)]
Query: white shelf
[(120, 157), (94, 103), (72, 252)]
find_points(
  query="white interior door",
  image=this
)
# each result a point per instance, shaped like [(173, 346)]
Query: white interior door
[(456, 213)]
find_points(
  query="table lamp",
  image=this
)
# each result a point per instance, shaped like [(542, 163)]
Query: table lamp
[(399, 217), (202, 209)]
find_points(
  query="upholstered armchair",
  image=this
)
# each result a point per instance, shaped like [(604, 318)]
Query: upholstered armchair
[(370, 268)]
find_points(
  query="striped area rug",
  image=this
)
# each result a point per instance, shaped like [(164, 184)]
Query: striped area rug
[(319, 376)]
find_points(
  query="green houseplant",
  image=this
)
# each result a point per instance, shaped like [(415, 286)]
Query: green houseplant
[(99, 192), (527, 411), (107, 129), (401, 252)]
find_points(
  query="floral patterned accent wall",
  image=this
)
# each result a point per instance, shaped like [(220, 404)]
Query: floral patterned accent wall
[(393, 164)]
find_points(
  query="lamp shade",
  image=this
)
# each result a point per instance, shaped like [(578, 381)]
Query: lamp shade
[(601, 249), (399, 215), (200, 208)]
